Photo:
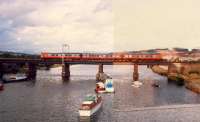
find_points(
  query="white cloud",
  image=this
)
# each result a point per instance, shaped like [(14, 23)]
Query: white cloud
[(45, 25)]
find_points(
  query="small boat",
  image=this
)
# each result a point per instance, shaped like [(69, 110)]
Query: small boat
[(90, 105), (100, 87), (137, 84), (8, 78), (1, 85), (155, 85), (109, 86)]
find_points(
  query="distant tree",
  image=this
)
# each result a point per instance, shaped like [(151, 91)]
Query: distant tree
[(6, 55)]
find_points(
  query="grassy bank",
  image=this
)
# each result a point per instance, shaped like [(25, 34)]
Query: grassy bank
[(188, 75), (160, 70)]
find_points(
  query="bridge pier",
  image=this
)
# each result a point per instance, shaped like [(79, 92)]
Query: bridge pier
[(66, 72), (32, 71), (1, 71), (149, 66), (99, 73), (100, 68), (135, 73), (48, 67)]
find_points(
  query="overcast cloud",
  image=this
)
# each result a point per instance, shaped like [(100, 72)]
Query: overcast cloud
[(44, 25)]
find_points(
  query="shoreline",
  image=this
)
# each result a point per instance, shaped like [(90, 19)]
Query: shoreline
[(189, 76)]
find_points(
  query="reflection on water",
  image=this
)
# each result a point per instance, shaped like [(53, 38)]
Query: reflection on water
[(50, 99)]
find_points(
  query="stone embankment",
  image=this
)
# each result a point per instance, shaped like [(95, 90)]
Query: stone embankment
[(188, 74)]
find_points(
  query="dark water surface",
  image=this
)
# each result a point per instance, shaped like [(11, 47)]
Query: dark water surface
[(48, 99)]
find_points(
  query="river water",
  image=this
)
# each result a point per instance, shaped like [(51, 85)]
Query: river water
[(49, 99)]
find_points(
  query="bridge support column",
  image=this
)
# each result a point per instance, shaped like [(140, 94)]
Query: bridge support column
[(1, 71), (149, 66), (100, 68), (135, 73), (100, 72), (66, 72), (47, 67), (32, 71)]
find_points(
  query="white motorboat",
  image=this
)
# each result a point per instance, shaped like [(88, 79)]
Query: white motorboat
[(137, 84), (155, 84), (90, 105), (13, 77), (106, 87), (109, 86), (100, 87)]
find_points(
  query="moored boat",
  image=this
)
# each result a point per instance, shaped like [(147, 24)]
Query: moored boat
[(90, 105), (155, 85), (106, 87), (109, 86), (100, 87), (137, 84), (8, 78)]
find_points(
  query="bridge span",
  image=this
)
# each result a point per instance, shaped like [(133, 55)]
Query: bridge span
[(72, 59)]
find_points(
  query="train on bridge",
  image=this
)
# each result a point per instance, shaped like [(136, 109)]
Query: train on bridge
[(101, 56)]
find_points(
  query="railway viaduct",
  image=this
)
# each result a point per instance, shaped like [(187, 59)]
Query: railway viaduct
[(32, 64)]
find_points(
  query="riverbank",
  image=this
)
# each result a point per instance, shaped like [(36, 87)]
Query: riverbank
[(160, 70), (188, 74)]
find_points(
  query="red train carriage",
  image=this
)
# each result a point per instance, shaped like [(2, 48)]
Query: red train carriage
[(154, 56), (89, 56), (117, 56), (46, 55), (95, 56), (101, 56)]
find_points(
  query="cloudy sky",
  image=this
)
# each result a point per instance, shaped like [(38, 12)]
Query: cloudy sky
[(98, 25)]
